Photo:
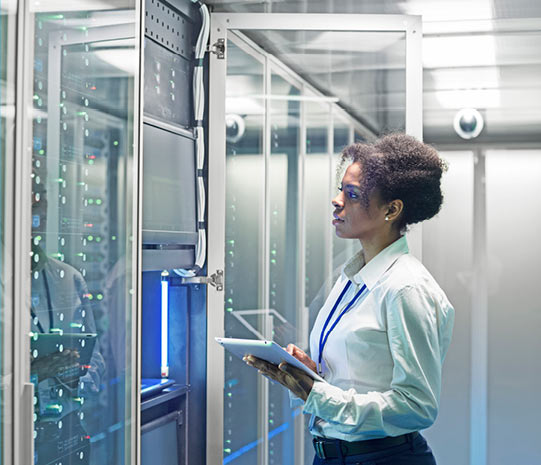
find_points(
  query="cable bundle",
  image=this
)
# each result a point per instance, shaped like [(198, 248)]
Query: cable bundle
[(199, 111)]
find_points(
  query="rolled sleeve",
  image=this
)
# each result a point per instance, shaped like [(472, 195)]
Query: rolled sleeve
[(411, 403)]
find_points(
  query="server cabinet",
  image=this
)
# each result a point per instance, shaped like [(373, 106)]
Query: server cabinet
[(78, 222), (173, 310)]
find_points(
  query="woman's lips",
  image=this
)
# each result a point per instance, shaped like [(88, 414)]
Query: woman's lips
[(336, 221)]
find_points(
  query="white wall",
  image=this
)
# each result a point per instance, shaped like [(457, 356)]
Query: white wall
[(448, 254), (493, 367)]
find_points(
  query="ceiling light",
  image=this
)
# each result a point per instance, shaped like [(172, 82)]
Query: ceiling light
[(457, 10), (465, 98), (297, 98)]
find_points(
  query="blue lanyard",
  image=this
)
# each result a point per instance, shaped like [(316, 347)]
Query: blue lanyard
[(323, 337)]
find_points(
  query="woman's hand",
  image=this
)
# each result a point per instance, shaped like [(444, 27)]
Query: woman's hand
[(298, 382), (301, 356)]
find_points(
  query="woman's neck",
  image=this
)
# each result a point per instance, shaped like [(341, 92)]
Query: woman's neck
[(374, 245)]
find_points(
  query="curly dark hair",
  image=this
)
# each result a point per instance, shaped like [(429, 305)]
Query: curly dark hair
[(398, 166)]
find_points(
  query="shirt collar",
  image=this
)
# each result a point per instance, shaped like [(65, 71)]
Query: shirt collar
[(358, 272)]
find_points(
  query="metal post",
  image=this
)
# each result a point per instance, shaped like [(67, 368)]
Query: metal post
[(216, 238), (23, 425), (479, 318)]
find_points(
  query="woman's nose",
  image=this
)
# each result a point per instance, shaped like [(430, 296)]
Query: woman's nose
[(337, 201)]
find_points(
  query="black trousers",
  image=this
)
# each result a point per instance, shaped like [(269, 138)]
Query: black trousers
[(415, 452)]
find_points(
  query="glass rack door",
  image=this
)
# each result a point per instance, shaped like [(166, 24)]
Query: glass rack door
[(272, 235), (85, 65)]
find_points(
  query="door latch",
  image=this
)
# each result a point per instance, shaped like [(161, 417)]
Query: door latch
[(218, 48), (215, 279)]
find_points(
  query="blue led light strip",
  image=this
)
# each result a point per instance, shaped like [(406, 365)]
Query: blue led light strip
[(165, 325)]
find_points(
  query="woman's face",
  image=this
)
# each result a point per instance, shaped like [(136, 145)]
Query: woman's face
[(352, 219)]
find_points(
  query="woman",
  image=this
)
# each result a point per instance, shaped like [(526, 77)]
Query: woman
[(380, 339)]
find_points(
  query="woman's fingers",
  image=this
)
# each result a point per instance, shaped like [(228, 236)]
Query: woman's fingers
[(301, 356), (257, 362), (296, 380), (264, 367)]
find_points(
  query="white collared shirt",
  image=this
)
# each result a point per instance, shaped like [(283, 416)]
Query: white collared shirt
[(383, 360)]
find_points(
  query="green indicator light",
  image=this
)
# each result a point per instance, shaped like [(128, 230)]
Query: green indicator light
[(100, 296), (56, 255), (228, 441), (36, 97), (227, 451), (90, 296), (54, 408), (83, 28), (90, 201), (80, 254), (115, 143), (273, 261), (76, 325), (81, 113), (231, 253), (42, 152), (229, 309), (271, 422), (98, 239), (230, 300), (113, 238), (229, 394), (90, 162), (82, 183), (59, 180), (273, 252), (54, 16), (98, 201), (38, 238), (90, 238), (56, 330), (231, 242)]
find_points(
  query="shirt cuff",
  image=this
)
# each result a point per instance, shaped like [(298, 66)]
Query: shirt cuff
[(294, 401), (313, 402)]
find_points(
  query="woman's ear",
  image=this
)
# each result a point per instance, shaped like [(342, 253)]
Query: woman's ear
[(394, 209)]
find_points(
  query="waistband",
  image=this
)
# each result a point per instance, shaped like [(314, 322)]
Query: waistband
[(330, 448)]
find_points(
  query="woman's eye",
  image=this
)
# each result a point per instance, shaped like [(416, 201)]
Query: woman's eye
[(352, 195)]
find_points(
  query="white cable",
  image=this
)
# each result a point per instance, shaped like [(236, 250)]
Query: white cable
[(199, 111)]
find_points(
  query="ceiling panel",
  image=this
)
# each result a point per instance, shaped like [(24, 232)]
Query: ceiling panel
[(495, 66)]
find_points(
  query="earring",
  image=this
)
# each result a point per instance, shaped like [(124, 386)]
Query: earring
[(386, 218)]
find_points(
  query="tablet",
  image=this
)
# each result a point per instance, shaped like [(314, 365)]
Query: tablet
[(43, 344), (266, 350)]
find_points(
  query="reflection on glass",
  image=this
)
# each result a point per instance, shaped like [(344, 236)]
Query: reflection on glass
[(244, 248), (365, 70), (82, 139), (267, 201), (317, 198), (284, 246), (343, 249)]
